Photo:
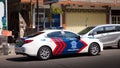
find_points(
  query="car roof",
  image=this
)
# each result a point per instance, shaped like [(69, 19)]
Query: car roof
[(110, 25), (53, 30), (106, 25), (50, 30)]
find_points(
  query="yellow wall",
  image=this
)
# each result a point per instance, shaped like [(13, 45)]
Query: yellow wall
[(77, 21)]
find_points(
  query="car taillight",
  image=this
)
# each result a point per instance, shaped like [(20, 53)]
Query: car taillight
[(28, 41)]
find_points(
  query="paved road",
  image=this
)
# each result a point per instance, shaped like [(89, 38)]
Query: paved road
[(109, 58)]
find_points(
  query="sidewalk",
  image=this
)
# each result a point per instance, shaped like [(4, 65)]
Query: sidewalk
[(10, 50)]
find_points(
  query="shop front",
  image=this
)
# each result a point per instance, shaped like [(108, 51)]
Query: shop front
[(82, 18), (78, 14)]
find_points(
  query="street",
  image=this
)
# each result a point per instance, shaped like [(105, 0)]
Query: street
[(109, 58)]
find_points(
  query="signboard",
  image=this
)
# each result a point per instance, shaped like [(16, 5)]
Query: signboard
[(6, 33), (49, 1), (3, 15)]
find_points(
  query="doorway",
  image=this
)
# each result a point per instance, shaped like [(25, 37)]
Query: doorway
[(115, 16)]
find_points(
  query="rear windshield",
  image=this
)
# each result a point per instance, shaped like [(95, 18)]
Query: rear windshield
[(86, 30), (35, 34)]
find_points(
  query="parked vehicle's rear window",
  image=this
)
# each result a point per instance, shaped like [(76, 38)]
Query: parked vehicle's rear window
[(35, 34)]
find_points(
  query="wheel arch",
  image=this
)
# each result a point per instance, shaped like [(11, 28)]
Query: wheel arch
[(97, 44), (44, 46), (118, 44)]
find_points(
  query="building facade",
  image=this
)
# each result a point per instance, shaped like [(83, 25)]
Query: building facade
[(78, 14), (82, 13)]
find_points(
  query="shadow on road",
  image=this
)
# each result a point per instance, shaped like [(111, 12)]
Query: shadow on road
[(28, 59), (22, 59), (110, 48)]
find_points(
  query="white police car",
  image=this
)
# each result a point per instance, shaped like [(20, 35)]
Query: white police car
[(47, 43)]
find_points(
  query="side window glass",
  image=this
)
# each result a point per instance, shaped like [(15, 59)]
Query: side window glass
[(117, 28), (98, 30), (55, 34), (69, 35), (110, 29)]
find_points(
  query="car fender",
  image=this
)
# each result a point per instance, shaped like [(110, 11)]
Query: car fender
[(89, 41)]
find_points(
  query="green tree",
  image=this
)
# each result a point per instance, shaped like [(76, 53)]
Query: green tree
[(56, 10)]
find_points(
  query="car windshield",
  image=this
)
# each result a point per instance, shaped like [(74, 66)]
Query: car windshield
[(86, 30), (35, 34)]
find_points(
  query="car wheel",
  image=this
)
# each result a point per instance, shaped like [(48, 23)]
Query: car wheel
[(119, 44), (94, 49), (44, 53)]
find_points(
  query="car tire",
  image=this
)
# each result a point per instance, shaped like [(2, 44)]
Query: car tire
[(119, 44), (44, 53), (94, 49)]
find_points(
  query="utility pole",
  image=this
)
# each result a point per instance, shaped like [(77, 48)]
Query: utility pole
[(50, 15), (37, 5)]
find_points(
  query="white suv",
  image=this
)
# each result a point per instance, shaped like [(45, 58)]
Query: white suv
[(108, 34)]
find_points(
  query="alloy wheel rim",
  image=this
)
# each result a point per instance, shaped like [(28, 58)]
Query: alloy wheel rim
[(45, 53), (94, 49)]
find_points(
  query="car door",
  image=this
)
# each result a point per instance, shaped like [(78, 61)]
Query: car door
[(57, 39), (72, 41), (112, 35), (66, 42), (100, 34)]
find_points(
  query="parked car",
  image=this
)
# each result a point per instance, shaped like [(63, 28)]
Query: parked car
[(47, 43), (108, 34)]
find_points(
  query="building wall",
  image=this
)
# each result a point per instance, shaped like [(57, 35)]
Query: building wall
[(77, 21)]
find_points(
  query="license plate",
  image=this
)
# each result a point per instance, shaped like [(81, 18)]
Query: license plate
[(19, 49)]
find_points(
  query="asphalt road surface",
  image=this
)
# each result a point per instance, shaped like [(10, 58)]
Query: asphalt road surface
[(109, 58)]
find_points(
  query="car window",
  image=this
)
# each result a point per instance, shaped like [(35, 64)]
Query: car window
[(70, 35), (110, 29), (35, 34), (98, 30), (86, 30), (117, 28), (57, 34)]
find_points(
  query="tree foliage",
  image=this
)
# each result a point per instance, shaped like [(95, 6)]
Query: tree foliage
[(56, 10)]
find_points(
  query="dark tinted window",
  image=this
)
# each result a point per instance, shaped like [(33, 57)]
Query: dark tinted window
[(69, 35), (35, 34), (86, 30), (55, 34), (110, 29), (117, 28), (98, 30)]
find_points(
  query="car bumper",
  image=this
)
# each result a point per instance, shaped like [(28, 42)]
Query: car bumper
[(20, 50)]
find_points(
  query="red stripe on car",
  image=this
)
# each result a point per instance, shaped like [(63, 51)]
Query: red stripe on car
[(60, 46), (64, 46), (57, 46)]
